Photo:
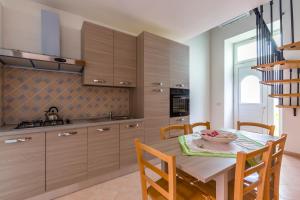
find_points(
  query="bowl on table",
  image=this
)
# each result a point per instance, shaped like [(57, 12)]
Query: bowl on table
[(218, 136)]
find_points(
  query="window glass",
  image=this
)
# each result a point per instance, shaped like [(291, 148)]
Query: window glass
[(250, 89), (246, 51)]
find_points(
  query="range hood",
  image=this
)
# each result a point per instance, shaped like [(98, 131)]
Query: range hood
[(17, 58)]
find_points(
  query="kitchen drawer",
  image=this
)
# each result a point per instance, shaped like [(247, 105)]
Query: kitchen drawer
[(152, 128), (66, 157), (129, 132), (178, 121), (157, 102), (22, 166), (103, 149)]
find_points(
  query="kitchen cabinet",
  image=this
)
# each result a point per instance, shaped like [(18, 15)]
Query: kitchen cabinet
[(98, 52), (156, 61), (156, 102), (103, 149), (179, 65), (129, 132), (22, 166), (125, 61), (110, 56), (152, 128), (178, 121), (66, 157)]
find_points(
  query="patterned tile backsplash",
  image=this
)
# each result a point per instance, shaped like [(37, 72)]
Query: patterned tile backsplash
[(27, 94)]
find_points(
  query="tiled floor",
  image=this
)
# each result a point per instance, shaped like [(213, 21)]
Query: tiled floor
[(128, 187)]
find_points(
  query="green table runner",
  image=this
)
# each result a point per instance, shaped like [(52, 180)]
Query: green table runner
[(190, 148)]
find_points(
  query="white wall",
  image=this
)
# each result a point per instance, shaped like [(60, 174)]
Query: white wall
[(199, 77), (221, 79)]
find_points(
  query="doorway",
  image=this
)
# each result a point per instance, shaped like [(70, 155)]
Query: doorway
[(251, 101)]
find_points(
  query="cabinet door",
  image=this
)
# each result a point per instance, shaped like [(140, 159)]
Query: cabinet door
[(179, 65), (22, 166), (152, 128), (66, 157), (129, 132), (103, 151), (157, 102), (97, 51), (178, 121), (125, 60), (156, 61)]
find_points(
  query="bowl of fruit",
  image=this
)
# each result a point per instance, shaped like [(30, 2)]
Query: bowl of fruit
[(218, 136)]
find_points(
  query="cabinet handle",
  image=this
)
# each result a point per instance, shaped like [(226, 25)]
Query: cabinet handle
[(67, 134), (180, 85), (125, 83), (158, 90), (17, 140), (132, 126), (103, 129), (159, 83), (99, 81), (180, 119)]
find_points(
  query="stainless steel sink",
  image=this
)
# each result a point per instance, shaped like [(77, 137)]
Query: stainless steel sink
[(106, 119)]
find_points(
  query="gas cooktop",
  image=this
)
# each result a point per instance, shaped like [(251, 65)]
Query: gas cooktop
[(41, 123)]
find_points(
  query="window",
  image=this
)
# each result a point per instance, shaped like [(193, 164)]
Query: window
[(246, 51), (250, 89)]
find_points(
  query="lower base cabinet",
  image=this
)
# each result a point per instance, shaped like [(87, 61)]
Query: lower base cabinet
[(152, 129), (128, 133), (22, 166), (103, 149), (178, 121), (66, 157)]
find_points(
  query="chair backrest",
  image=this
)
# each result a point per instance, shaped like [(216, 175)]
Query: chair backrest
[(170, 177), (270, 128), (165, 131), (205, 124), (275, 166), (260, 167)]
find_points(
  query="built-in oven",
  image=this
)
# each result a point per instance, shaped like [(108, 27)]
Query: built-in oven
[(179, 102)]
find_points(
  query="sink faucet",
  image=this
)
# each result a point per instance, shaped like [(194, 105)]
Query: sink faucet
[(110, 115)]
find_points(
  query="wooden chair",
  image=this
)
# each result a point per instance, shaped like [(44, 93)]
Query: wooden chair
[(244, 190), (205, 124), (165, 131), (240, 188), (270, 128), (168, 186)]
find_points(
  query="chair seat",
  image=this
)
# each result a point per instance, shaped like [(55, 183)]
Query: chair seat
[(184, 191)]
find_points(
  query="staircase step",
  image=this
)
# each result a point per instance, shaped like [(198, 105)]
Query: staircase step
[(285, 81), (284, 95), (284, 106), (291, 46), (284, 64)]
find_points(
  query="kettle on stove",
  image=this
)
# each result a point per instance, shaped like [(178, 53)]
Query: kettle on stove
[(52, 114)]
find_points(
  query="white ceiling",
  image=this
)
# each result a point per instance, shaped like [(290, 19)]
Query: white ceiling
[(176, 19)]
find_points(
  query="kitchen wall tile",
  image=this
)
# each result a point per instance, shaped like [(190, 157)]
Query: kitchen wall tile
[(28, 94)]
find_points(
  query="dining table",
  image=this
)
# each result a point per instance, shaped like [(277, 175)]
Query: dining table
[(206, 168)]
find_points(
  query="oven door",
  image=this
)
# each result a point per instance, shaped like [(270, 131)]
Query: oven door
[(179, 105)]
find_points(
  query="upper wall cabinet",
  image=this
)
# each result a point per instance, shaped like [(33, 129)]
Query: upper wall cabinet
[(110, 57), (125, 60), (179, 65), (155, 60), (97, 51)]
